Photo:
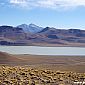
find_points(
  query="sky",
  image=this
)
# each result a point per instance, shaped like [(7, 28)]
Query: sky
[(53, 13)]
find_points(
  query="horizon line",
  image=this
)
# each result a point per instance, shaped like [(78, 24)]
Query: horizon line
[(82, 28)]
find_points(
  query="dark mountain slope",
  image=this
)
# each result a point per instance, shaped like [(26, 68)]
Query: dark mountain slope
[(48, 36)]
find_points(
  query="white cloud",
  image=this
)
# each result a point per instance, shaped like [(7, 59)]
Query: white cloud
[(52, 4), (21, 3)]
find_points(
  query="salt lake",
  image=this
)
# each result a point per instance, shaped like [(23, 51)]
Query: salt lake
[(36, 50)]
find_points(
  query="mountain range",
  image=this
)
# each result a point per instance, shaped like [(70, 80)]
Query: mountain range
[(25, 35), (30, 28)]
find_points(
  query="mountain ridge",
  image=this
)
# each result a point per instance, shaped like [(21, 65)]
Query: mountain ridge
[(30, 28), (48, 36)]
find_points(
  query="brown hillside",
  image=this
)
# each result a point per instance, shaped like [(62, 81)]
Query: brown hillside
[(7, 58)]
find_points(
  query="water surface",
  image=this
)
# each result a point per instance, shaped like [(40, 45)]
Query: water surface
[(35, 50)]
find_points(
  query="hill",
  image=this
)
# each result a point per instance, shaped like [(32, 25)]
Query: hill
[(25, 35), (6, 58)]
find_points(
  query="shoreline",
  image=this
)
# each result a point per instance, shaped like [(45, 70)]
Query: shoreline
[(68, 63)]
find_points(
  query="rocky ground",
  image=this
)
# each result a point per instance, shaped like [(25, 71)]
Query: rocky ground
[(27, 75)]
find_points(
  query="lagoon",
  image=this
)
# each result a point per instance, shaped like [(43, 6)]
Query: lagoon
[(36, 50)]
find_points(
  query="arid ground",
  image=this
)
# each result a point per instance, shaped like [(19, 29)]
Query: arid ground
[(66, 63), (41, 70)]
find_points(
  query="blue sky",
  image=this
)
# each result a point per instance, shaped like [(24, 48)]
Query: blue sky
[(53, 13)]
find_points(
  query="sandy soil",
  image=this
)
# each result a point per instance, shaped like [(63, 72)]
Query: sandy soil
[(63, 63)]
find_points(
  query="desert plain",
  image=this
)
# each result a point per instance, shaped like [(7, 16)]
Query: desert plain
[(28, 69)]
